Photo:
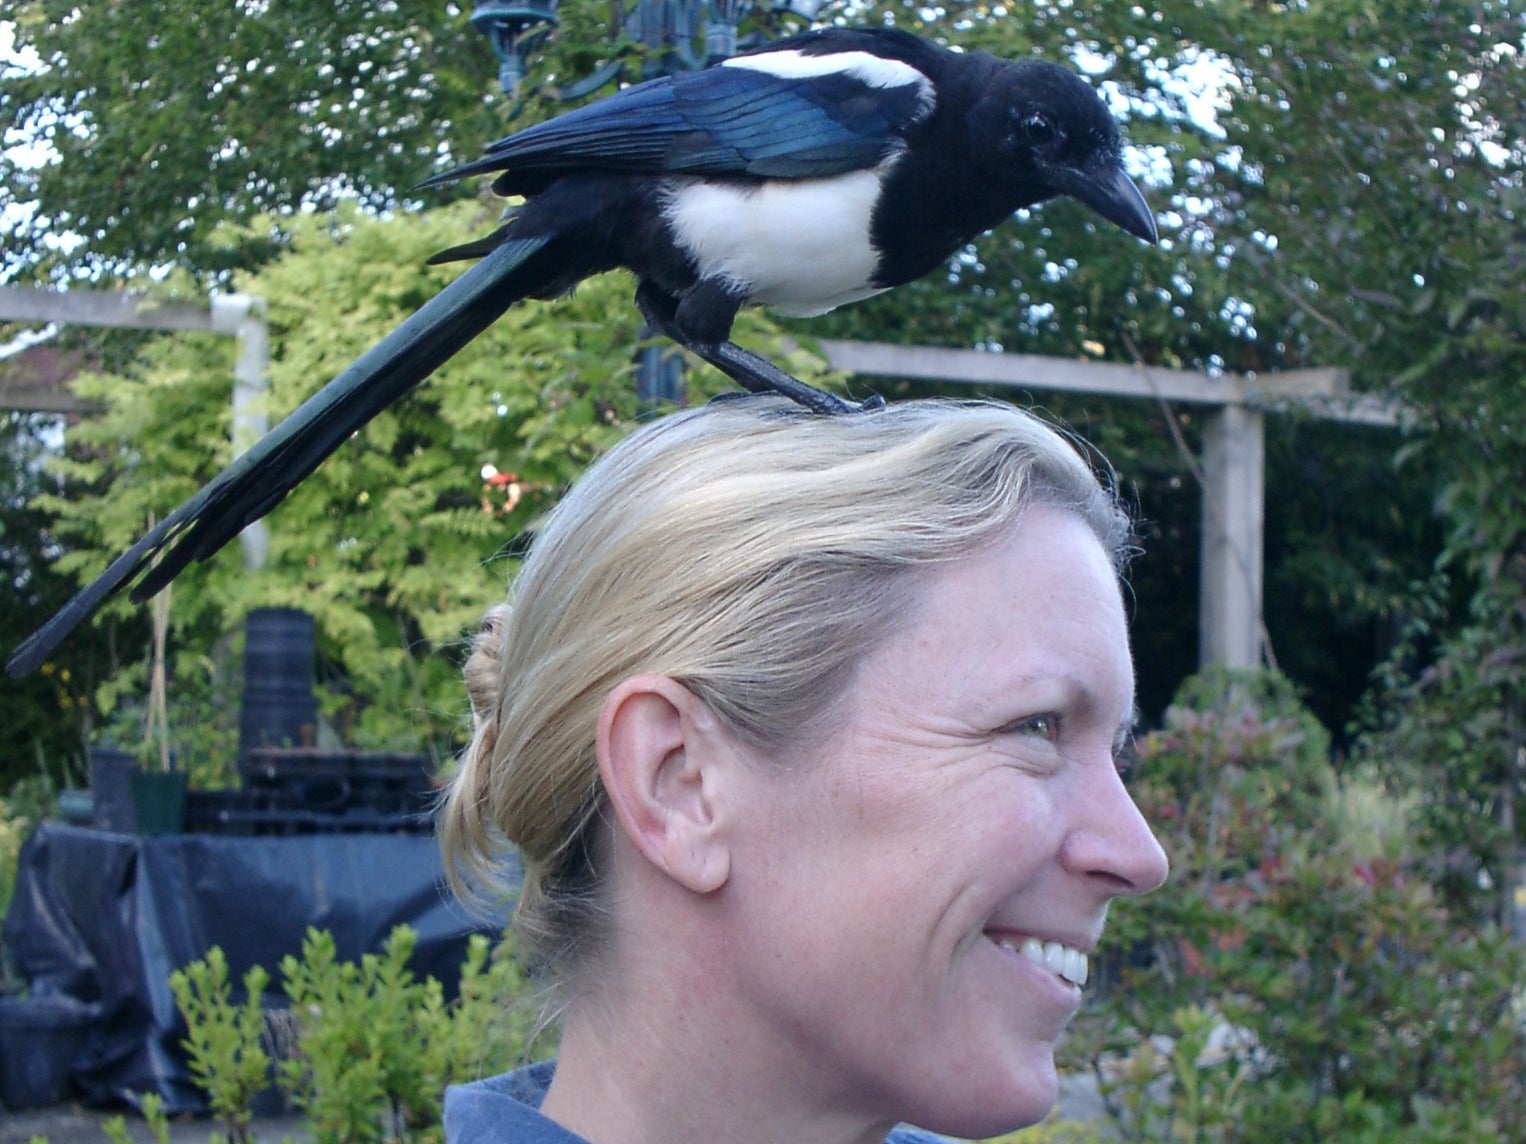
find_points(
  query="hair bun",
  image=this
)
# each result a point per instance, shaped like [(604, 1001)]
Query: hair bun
[(483, 666)]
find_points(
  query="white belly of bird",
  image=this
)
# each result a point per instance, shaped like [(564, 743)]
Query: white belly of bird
[(801, 247)]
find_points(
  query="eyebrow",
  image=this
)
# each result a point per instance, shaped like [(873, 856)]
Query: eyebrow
[(1079, 691)]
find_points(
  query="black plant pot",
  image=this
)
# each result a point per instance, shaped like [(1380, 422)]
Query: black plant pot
[(159, 801), (279, 708), (111, 770)]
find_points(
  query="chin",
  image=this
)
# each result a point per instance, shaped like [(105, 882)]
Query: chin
[(1014, 1100)]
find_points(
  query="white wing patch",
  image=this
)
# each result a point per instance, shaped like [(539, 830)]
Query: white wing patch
[(867, 68), (801, 246)]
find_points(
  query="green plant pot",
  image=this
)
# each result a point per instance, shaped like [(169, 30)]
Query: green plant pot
[(158, 799)]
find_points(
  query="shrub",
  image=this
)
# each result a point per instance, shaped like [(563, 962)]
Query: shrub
[(227, 1057), (13, 831), (366, 1049), (1314, 984)]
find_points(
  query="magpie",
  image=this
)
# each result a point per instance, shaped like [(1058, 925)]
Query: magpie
[(817, 170)]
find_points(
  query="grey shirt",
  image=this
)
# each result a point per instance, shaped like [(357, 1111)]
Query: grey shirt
[(504, 1109)]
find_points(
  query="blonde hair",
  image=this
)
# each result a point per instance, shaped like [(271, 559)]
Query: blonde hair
[(755, 553)]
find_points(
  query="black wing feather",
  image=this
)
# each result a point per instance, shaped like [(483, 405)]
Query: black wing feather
[(720, 121), (257, 480)]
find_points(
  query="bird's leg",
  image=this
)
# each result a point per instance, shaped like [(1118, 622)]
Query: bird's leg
[(760, 375), (749, 370)]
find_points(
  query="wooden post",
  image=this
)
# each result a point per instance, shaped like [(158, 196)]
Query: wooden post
[(241, 315), (1230, 630)]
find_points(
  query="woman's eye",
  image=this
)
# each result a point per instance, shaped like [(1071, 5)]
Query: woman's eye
[(1042, 726)]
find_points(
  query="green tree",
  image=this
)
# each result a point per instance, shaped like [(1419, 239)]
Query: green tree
[(1386, 152), (170, 121), (46, 714)]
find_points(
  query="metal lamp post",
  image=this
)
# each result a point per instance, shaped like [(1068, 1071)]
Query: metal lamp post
[(516, 28), (669, 29)]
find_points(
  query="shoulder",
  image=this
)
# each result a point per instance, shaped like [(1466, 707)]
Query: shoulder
[(905, 1134), (503, 1110)]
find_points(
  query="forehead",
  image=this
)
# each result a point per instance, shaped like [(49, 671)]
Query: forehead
[(1036, 617)]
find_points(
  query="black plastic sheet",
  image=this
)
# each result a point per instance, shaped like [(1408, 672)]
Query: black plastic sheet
[(105, 918)]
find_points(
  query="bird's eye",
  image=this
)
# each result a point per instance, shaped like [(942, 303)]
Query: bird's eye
[(1039, 128)]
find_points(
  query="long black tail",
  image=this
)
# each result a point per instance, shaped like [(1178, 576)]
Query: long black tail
[(257, 480)]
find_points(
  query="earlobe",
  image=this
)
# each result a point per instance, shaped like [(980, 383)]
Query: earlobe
[(660, 760)]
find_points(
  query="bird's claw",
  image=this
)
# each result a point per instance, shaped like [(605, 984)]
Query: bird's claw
[(752, 372)]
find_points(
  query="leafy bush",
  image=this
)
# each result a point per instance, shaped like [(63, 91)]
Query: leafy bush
[(13, 832), (365, 1049), (1315, 986), (1055, 1132), (1457, 730), (228, 1059)]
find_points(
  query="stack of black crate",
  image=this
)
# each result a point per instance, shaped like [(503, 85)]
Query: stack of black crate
[(288, 785)]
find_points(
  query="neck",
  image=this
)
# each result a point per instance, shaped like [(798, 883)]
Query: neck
[(670, 1055)]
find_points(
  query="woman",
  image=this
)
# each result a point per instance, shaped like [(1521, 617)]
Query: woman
[(806, 731)]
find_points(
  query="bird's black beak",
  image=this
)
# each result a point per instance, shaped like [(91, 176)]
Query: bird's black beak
[(1113, 195)]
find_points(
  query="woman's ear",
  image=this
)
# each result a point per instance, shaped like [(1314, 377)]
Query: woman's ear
[(663, 759)]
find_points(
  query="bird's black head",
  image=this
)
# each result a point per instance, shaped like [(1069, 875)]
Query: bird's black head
[(1054, 136)]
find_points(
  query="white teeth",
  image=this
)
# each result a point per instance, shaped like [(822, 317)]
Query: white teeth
[(1061, 960), (1077, 968)]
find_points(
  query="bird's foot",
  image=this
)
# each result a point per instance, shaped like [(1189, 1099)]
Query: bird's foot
[(759, 375), (749, 370)]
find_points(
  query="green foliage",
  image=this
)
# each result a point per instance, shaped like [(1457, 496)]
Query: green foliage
[(366, 1049), (13, 832), (390, 1017), (50, 711), (228, 111), (31, 800), (151, 1104), (203, 712), (224, 1049), (494, 1022), (1056, 1132), (1313, 983), (359, 1026), (390, 544), (1457, 731)]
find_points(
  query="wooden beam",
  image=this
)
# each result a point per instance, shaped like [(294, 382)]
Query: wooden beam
[(35, 380), (100, 308), (43, 401), (1231, 630), (1029, 371)]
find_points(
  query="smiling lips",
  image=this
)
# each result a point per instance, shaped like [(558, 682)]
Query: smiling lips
[(1062, 960)]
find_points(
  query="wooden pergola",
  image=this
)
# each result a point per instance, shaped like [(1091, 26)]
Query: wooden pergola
[(1231, 469), (37, 382)]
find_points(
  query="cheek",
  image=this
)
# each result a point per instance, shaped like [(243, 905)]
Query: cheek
[(1015, 816)]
